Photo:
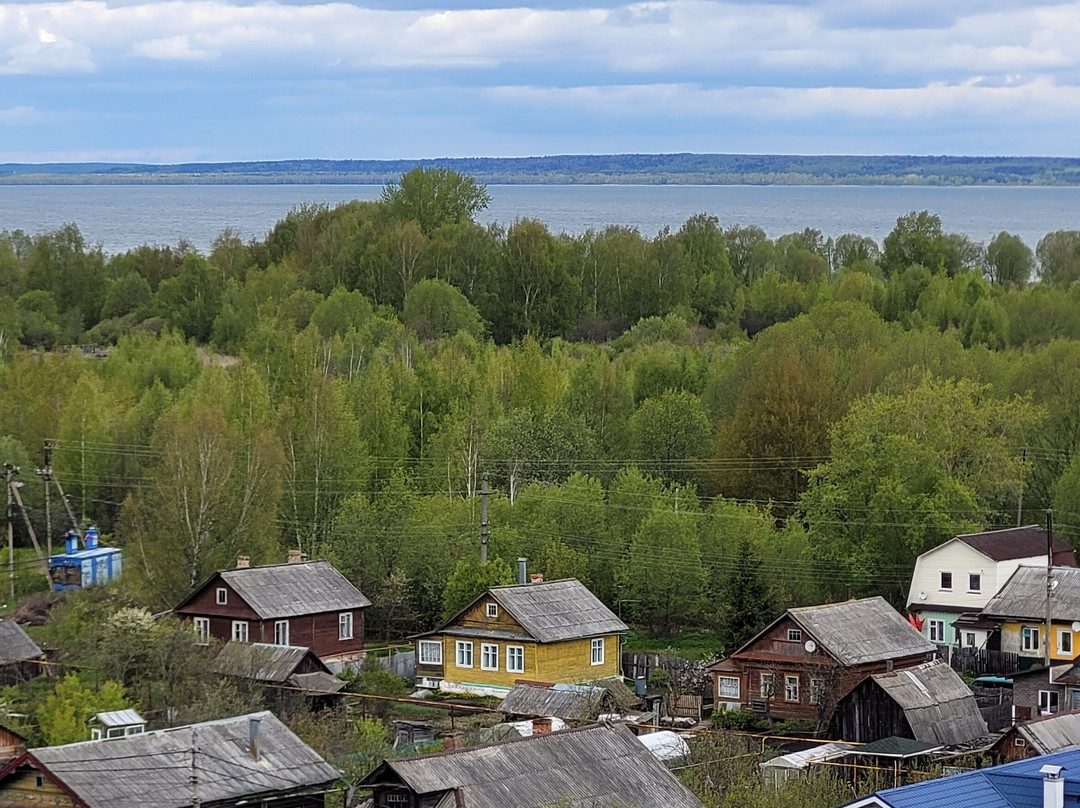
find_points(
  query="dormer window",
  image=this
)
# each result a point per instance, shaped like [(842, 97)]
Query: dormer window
[(794, 635), (493, 610), (222, 596), (946, 581)]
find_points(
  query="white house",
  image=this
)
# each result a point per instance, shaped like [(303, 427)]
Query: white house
[(960, 576)]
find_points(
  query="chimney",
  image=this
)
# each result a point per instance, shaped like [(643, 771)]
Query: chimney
[(452, 740), (91, 538), (536, 578), (541, 726), (71, 542), (254, 732), (243, 562), (523, 576), (295, 556), (1053, 786)]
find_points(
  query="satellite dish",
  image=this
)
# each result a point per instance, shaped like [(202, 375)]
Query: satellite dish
[(810, 646), (1076, 625), (922, 594)]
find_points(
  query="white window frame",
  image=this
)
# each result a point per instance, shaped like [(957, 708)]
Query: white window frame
[(463, 656), (936, 630), (941, 580), (430, 658), (596, 651), (817, 691), (727, 687), (344, 626), (1064, 634), (202, 630), (281, 632), (489, 656), (515, 659), (975, 577), (1030, 639), (222, 596), (791, 688), (240, 630), (767, 689), (794, 635), (969, 639), (493, 610), (1053, 699)]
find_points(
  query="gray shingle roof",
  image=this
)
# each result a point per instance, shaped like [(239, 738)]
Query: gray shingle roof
[(287, 590), (563, 701), (1024, 595), (856, 632), (260, 661), (16, 645), (1052, 733), (938, 706), (552, 611), (593, 767), (152, 770), (118, 718)]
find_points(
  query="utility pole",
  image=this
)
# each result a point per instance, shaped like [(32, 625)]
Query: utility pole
[(45, 473), (8, 468), (1020, 490), (194, 778), (484, 519), (1049, 577)]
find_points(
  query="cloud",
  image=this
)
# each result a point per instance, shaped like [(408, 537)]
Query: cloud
[(13, 116)]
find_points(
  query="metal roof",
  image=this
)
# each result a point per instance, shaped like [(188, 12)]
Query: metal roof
[(938, 706), (856, 632), (318, 683), (118, 718), (569, 702), (1024, 594), (1011, 543), (15, 644), (289, 590), (552, 611), (1053, 732), (815, 754), (592, 767), (153, 770), (261, 661)]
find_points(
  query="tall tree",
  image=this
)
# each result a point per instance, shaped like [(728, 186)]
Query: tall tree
[(433, 197)]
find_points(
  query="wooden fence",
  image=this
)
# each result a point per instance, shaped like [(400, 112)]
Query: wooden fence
[(980, 661)]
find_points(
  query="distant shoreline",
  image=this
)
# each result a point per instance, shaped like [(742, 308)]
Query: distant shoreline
[(628, 169)]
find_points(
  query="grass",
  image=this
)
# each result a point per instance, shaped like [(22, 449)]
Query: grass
[(690, 644)]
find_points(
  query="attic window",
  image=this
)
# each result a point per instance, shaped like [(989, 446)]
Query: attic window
[(39, 781), (1019, 742), (794, 635), (222, 596), (946, 580), (493, 610)]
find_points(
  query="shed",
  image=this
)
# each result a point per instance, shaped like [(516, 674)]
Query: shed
[(779, 770), (20, 656), (281, 667), (1039, 736), (115, 724), (566, 701), (78, 569)]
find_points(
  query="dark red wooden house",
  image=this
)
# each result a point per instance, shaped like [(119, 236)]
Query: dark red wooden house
[(300, 603)]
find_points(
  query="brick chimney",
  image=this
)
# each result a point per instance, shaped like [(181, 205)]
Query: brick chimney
[(541, 726), (452, 739), (295, 556), (243, 562), (536, 578)]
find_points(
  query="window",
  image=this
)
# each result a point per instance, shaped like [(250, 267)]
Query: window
[(937, 630), (281, 632), (974, 582), (515, 659), (222, 596), (240, 630), (489, 657), (946, 580), (344, 626), (794, 635), (493, 610), (1019, 742), (1048, 702), (430, 652), (817, 691), (1029, 639), (95, 735), (791, 688), (202, 630), (969, 639), (597, 655), (1064, 641), (727, 687), (766, 686), (464, 654), (39, 779)]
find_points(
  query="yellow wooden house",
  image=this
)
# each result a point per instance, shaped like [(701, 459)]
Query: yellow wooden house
[(1019, 608), (547, 631)]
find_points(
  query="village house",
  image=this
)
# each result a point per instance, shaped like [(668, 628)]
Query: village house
[(548, 631), (927, 702), (12, 744), (1045, 691), (249, 760), (307, 604), (1020, 611), (961, 575), (1039, 736), (809, 658), (599, 765), (115, 724)]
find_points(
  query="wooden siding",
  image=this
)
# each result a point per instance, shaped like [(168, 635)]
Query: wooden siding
[(867, 714), (20, 789), (476, 617)]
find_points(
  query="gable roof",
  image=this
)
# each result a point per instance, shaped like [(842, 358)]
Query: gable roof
[(16, 645), (261, 661), (937, 704), (1024, 595), (563, 701), (1011, 785), (1051, 733), (1012, 543), (153, 770), (275, 591), (857, 632), (117, 718), (595, 766)]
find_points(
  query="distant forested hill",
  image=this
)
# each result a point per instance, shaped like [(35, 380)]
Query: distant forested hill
[(691, 169)]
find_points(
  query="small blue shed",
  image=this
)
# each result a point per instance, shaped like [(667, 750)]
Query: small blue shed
[(77, 569)]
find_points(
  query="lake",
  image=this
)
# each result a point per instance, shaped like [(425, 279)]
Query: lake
[(120, 217)]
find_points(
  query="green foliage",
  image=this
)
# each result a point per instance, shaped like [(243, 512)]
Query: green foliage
[(738, 720), (434, 308), (63, 715), (470, 578), (433, 197)]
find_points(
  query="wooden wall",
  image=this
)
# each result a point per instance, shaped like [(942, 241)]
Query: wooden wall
[(20, 789)]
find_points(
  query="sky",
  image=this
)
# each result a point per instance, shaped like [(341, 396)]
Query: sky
[(172, 81)]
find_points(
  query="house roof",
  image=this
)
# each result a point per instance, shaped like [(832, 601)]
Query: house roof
[(153, 770), (118, 718), (1024, 595), (261, 661), (317, 683), (562, 701), (595, 767), (937, 704), (897, 747), (1052, 732), (856, 632), (16, 645), (1011, 785), (1012, 543), (275, 591)]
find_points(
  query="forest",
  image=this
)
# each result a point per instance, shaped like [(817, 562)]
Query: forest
[(706, 426)]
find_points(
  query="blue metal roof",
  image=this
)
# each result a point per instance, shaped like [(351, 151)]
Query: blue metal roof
[(83, 554), (1011, 785)]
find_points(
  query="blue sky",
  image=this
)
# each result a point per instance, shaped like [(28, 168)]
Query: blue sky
[(182, 80)]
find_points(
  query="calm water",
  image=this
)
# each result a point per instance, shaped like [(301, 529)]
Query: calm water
[(122, 217)]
